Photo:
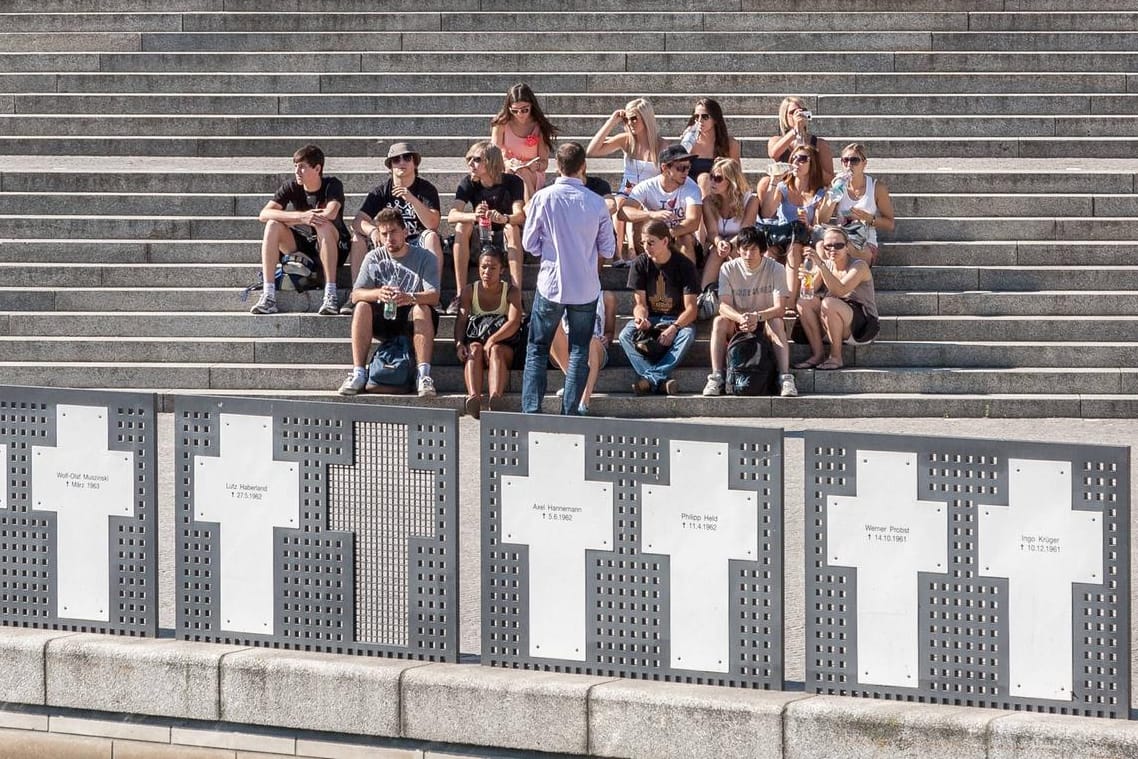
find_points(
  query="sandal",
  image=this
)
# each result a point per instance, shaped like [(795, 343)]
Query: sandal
[(829, 365), (473, 406), (809, 363)]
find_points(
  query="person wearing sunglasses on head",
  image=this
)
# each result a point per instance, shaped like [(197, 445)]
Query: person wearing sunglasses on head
[(864, 208), (525, 136), (729, 207), (794, 130), (415, 198), (640, 143), (793, 204), (706, 138), (497, 209), (671, 198), (847, 309)]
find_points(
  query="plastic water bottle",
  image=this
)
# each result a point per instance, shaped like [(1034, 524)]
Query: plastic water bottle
[(807, 280), (389, 310), (690, 135), (838, 186), (485, 233)]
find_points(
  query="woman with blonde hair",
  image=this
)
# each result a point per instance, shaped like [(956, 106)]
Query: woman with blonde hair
[(640, 143), (794, 129), (865, 206), (729, 207), (497, 208), (524, 135)]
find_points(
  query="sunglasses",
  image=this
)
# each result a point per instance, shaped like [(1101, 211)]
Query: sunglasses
[(684, 167), (520, 111), (474, 159), (834, 245), (631, 119), (403, 158), (701, 116), (717, 177), (800, 159), (852, 160)]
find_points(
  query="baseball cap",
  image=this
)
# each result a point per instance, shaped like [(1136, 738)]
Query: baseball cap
[(674, 153)]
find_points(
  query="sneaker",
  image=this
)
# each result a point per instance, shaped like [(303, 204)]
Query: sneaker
[(788, 388), (329, 307), (426, 387), (452, 309), (714, 384), (560, 392), (348, 308), (671, 387), (353, 384), (582, 409), (641, 387), (265, 305)]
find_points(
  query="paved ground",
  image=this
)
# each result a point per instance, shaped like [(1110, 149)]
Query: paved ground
[(1090, 431)]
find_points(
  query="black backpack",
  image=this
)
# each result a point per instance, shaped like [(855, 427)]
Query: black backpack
[(751, 366)]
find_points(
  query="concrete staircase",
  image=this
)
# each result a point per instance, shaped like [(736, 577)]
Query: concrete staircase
[(143, 139)]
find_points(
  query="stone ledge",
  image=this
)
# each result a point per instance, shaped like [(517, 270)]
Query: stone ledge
[(1050, 736), (23, 676)]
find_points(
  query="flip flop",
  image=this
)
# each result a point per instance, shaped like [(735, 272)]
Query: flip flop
[(808, 363), (829, 365)]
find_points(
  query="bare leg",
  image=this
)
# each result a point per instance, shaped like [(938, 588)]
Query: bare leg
[(776, 331), (499, 368), (513, 238), (276, 240), (529, 178), (472, 371), (462, 232), (356, 257), (722, 329), (618, 225), (836, 318), (596, 358), (793, 263), (687, 246), (711, 266), (809, 313), (361, 333), (327, 242), (430, 240), (424, 339)]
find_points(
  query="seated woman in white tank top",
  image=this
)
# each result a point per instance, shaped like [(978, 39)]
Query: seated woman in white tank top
[(730, 205), (866, 200)]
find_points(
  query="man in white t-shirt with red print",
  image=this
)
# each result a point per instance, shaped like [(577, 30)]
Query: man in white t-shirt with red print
[(751, 296), (672, 197)]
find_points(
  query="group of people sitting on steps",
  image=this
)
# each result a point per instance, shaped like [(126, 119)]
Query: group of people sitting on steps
[(789, 259)]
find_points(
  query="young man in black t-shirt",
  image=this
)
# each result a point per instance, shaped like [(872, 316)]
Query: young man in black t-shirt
[(314, 226), (416, 199)]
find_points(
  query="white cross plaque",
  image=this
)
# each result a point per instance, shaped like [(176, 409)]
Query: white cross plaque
[(559, 515), (1042, 546), (701, 524), (85, 484), (248, 494), (888, 535)]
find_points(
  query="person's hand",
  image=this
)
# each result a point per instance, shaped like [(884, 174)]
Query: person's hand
[(315, 218), (750, 322), (462, 351), (617, 115), (482, 210), (661, 215), (861, 215), (668, 336), (813, 255), (374, 237), (389, 294), (641, 322), (399, 191), (723, 248), (801, 124)]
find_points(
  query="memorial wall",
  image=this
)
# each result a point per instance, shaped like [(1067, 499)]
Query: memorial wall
[(960, 571)]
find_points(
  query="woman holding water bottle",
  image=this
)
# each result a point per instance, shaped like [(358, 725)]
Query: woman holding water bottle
[(705, 137), (864, 203), (497, 210), (845, 307), (794, 129), (793, 204)]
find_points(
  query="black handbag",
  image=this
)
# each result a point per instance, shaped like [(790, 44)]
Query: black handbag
[(647, 343)]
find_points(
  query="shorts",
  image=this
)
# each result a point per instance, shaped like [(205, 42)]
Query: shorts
[(497, 238), (305, 238), (700, 166), (863, 327), (384, 329), (782, 235)]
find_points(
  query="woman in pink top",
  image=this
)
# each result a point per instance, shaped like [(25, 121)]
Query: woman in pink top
[(525, 136)]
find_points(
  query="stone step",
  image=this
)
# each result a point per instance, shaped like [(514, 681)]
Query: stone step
[(182, 176), (909, 229), (234, 21), (484, 105), (605, 84), (868, 127), (1062, 328), (1006, 278), (210, 147)]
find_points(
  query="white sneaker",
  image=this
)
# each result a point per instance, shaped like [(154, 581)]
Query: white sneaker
[(329, 307), (560, 392), (265, 305), (788, 388), (353, 384), (714, 384), (426, 387)]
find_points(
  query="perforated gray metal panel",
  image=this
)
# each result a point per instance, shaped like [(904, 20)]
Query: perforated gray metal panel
[(597, 557), (356, 508), (1004, 534), (80, 467)]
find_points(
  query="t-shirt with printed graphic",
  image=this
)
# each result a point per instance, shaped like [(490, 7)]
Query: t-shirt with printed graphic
[(652, 196), (500, 197), (415, 271), (293, 194), (752, 290), (381, 197), (665, 285)]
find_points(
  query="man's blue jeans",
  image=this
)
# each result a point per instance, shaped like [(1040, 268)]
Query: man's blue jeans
[(544, 319), (659, 372)]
